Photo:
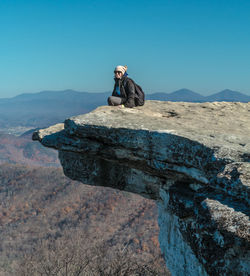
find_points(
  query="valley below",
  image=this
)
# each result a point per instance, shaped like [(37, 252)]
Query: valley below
[(41, 209)]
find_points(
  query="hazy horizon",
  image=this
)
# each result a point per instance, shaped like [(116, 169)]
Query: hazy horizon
[(167, 45), (111, 92)]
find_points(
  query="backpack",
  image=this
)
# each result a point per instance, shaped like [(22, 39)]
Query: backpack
[(139, 94)]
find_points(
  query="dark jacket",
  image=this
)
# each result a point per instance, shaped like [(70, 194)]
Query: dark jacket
[(127, 90)]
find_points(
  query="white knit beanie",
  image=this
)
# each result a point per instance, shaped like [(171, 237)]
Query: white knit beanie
[(121, 68)]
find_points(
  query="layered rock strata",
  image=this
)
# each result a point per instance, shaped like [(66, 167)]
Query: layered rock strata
[(193, 159)]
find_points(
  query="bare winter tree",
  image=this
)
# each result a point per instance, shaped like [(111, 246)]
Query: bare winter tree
[(73, 255)]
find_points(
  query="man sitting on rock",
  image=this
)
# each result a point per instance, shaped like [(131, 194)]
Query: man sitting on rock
[(124, 89)]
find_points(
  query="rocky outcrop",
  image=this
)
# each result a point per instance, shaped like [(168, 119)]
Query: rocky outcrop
[(193, 159)]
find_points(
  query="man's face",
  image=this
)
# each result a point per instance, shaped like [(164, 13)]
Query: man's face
[(118, 74)]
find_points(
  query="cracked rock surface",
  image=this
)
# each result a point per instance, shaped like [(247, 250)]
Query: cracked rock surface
[(193, 158)]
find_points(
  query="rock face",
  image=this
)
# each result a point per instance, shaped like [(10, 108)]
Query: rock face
[(193, 159)]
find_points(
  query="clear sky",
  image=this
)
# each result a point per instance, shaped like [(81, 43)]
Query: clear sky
[(167, 45)]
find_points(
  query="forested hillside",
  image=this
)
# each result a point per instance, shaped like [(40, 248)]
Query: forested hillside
[(45, 217), (22, 150)]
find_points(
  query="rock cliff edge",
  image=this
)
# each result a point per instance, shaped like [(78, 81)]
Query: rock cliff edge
[(192, 158)]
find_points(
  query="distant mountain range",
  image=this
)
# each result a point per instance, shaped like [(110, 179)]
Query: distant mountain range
[(186, 95), (47, 107), (50, 107)]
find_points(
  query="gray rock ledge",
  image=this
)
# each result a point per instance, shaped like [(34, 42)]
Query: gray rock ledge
[(192, 158)]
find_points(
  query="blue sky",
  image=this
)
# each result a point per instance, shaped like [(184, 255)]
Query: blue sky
[(167, 45)]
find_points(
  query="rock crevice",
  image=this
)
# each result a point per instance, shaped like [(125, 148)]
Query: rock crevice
[(195, 164)]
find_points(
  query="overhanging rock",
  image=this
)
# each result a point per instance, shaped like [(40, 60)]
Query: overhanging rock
[(193, 159)]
